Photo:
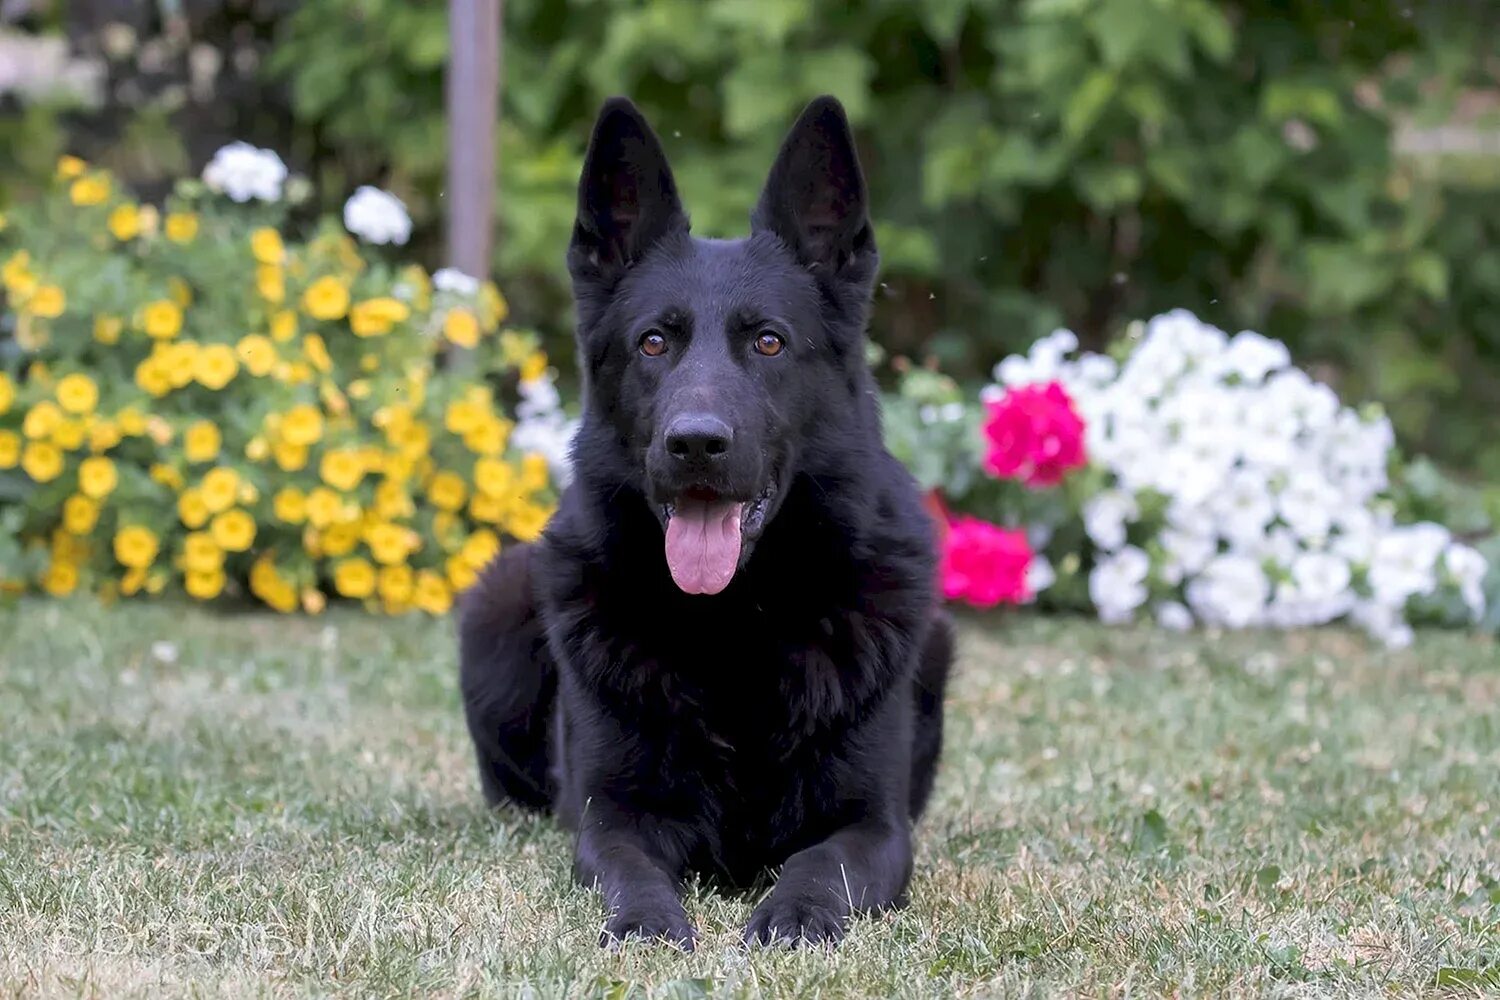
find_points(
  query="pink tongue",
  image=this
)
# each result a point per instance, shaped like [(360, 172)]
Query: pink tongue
[(703, 545)]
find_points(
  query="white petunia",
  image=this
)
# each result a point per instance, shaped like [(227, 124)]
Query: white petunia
[(1308, 504), (244, 172), (1252, 356), (1321, 576), (451, 279), (1404, 562), (377, 216), (1173, 616), (550, 436), (1468, 569), (1231, 591), (1105, 517), (1244, 508), (1117, 585), (1382, 622), (1039, 574)]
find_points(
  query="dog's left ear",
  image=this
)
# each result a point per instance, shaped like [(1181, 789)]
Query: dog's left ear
[(815, 198)]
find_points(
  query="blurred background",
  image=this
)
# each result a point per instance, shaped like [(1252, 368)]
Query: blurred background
[(1325, 172)]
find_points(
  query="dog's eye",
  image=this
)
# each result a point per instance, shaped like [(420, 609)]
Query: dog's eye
[(769, 343), (653, 344)]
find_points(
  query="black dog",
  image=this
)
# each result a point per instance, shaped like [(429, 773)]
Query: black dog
[(725, 654)]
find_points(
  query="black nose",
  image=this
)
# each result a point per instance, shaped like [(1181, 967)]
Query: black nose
[(698, 438)]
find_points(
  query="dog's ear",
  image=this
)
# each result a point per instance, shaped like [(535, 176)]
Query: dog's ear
[(815, 198), (627, 198)]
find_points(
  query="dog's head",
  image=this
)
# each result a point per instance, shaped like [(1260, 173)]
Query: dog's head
[(713, 368)]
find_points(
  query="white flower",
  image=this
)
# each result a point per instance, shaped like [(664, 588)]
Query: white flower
[(1321, 576), (377, 216), (1173, 616), (1231, 591), (1105, 517), (1039, 574), (1308, 503), (1383, 622), (550, 436), (1244, 508), (1019, 370), (1252, 356), (244, 172), (1404, 562), (1117, 585), (539, 396), (451, 279), (1468, 569)]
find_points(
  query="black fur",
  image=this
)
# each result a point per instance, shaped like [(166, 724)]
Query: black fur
[(794, 719)]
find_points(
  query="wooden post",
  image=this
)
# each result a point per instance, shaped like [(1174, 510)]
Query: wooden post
[(473, 98)]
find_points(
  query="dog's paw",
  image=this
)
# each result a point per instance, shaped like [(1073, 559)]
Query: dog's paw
[(790, 919), (653, 924)]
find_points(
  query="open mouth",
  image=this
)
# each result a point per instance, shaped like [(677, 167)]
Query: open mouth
[(706, 535)]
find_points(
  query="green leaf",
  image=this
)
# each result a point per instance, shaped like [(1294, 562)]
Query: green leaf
[(1088, 102), (1151, 835), (1429, 273)]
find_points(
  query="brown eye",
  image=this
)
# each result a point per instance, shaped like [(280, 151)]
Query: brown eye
[(653, 344), (769, 344)]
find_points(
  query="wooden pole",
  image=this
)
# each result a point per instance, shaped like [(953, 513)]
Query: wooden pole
[(473, 99)]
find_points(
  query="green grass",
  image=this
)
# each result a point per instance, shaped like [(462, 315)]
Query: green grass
[(288, 807)]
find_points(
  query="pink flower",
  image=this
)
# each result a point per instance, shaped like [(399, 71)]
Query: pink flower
[(1035, 435), (984, 563)]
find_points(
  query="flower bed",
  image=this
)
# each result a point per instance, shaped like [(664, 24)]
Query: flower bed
[(1191, 476), (192, 402)]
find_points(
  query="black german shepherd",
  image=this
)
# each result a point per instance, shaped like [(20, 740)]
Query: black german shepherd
[(726, 653)]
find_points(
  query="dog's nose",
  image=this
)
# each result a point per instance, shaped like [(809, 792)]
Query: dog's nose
[(698, 438)]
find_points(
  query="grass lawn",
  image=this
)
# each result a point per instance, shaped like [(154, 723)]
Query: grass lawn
[(227, 805)]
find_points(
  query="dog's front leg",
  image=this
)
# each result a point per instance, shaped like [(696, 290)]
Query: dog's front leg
[(862, 867), (639, 886)]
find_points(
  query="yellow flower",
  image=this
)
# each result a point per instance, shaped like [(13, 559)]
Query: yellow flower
[(526, 521), (354, 578), (488, 509), (323, 507), (464, 415), (233, 530), (302, 424), (70, 167), (107, 328), (313, 601), (162, 319), (80, 514), (447, 491), (390, 544), (41, 420), (204, 585), (479, 548), (182, 227), (326, 298), (180, 292), (7, 392), (369, 362), (215, 366), (97, 477), (180, 359), (104, 435), (395, 584), (200, 553), (48, 302), (135, 547), (159, 430), (16, 275), (167, 476), (257, 353), (132, 421), (489, 437), (494, 478), (342, 469), (460, 327), (290, 457), (340, 539), (151, 375), (77, 393), (392, 501), (192, 508), (283, 326), (289, 505), (492, 306), (432, 594), (534, 367), (61, 578), (316, 351), (10, 449), (125, 222), (376, 316), (202, 442), (270, 283), (266, 245), (460, 575), (220, 486), (69, 435), (89, 190), (533, 473)]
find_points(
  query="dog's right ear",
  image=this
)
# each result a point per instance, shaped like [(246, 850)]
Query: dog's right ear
[(627, 198)]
